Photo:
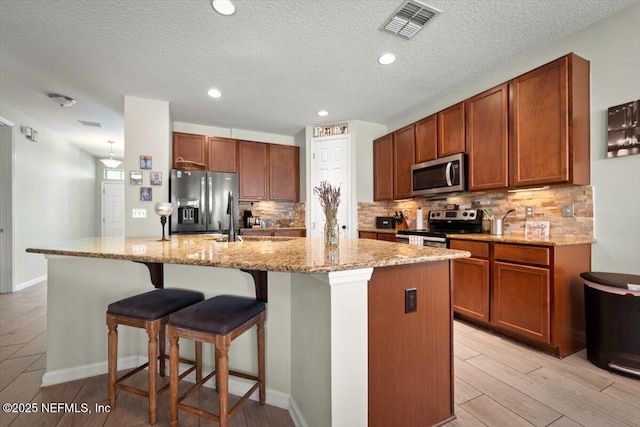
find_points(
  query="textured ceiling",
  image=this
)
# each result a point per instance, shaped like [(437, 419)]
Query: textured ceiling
[(276, 62)]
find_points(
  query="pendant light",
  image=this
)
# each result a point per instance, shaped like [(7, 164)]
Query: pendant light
[(110, 162)]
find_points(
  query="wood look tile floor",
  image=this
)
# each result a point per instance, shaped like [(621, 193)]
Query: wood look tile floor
[(497, 383)]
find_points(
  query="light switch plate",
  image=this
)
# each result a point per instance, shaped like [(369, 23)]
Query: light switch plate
[(567, 210), (138, 213)]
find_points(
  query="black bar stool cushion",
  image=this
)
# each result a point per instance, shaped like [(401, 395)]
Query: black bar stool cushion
[(155, 304), (218, 315)]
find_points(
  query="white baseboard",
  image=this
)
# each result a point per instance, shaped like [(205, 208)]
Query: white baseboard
[(28, 283), (237, 387)]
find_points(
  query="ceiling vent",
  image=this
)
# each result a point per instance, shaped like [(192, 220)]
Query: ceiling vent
[(409, 18), (91, 124)]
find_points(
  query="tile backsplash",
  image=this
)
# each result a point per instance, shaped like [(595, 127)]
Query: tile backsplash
[(547, 206), (276, 213)]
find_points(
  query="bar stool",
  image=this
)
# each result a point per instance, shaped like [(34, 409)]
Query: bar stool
[(218, 321), (149, 311)]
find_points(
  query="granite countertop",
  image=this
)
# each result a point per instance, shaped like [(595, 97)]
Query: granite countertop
[(520, 238), (292, 254), (273, 228)]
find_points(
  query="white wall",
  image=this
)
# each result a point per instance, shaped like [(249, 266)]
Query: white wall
[(54, 195), (244, 134), (613, 48), (147, 132)]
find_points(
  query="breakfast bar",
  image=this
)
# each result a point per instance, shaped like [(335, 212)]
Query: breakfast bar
[(357, 335)]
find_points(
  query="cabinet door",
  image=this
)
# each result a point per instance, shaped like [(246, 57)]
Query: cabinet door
[(427, 139), (403, 158), (520, 300), (253, 170), (383, 168), (451, 130), (284, 172), (222, 154), (470, 278), (487, 134), (539, 140), (190, 147)]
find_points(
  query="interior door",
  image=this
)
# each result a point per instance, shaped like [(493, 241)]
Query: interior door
[(330, 161), (113, 209), (6, 207)]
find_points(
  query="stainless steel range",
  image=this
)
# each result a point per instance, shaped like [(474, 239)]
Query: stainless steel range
[(441, 223)]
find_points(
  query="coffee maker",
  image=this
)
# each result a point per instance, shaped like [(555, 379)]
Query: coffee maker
[(247, 219)]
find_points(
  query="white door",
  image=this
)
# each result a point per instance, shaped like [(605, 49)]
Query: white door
[(6, 207), (331, 162), (112, 209)]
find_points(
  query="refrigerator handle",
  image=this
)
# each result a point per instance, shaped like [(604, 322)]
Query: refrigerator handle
[(209, 200)]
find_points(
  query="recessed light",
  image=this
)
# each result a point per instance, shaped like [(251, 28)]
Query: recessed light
[(223, 7), (214, 93), (387, 58), (323, 113)]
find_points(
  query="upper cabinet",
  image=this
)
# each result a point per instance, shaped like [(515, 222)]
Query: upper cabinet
[(222, 154), (253, 170), (427, 139), (550, 124), (189, 147), (284, 172), (487, 135), (383, 168), (403, 158), (451, 130)]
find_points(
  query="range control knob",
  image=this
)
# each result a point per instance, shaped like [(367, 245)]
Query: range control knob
[(464, 213)]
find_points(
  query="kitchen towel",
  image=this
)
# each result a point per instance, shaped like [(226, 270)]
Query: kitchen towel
[(415, 240), (419, 219)]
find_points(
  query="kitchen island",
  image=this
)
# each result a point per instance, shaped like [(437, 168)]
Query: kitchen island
[(360, 335)]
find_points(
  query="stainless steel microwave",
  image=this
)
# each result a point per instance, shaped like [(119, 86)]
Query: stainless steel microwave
[(444, 175)]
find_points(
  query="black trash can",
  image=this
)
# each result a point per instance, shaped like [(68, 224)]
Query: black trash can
[(612, 314)]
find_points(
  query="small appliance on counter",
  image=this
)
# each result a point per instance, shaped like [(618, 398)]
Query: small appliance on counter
[(385, 222), (247, 219), (401, 221)]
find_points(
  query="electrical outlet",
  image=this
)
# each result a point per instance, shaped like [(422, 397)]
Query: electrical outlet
[(529, 211), (567, 210), (138, 213), (410, 300)]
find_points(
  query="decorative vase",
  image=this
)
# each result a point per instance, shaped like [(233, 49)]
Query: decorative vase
[(331, 231)]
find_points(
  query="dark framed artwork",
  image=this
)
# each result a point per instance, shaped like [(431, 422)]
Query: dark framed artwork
[(623, 129), (146, 194)]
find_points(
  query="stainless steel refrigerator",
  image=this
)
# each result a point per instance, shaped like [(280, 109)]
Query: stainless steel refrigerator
[(201, 201)]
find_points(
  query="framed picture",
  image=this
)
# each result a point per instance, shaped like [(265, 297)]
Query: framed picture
[(155, 178), (146, 194), (135, 177), (145, 162), (623, 129), (536, 230)]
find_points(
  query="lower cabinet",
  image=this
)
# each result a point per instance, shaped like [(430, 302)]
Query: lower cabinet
[(388, 237), (531, 293), (277, 232)]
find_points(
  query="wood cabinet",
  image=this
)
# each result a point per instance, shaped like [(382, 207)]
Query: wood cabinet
[(471, 290), (427, 139), (550, 124), (277, 232), (451, 130), (487, 136), (284, 173), (534, 293), (387, 237), (222, 154), (403, 159), (253, 170), (189, 147), (383, 168), (410, 354)]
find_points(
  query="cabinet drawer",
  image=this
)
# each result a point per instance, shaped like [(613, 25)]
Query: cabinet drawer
[(477, 249), (368, 235), (387, 237), (518, 253)]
